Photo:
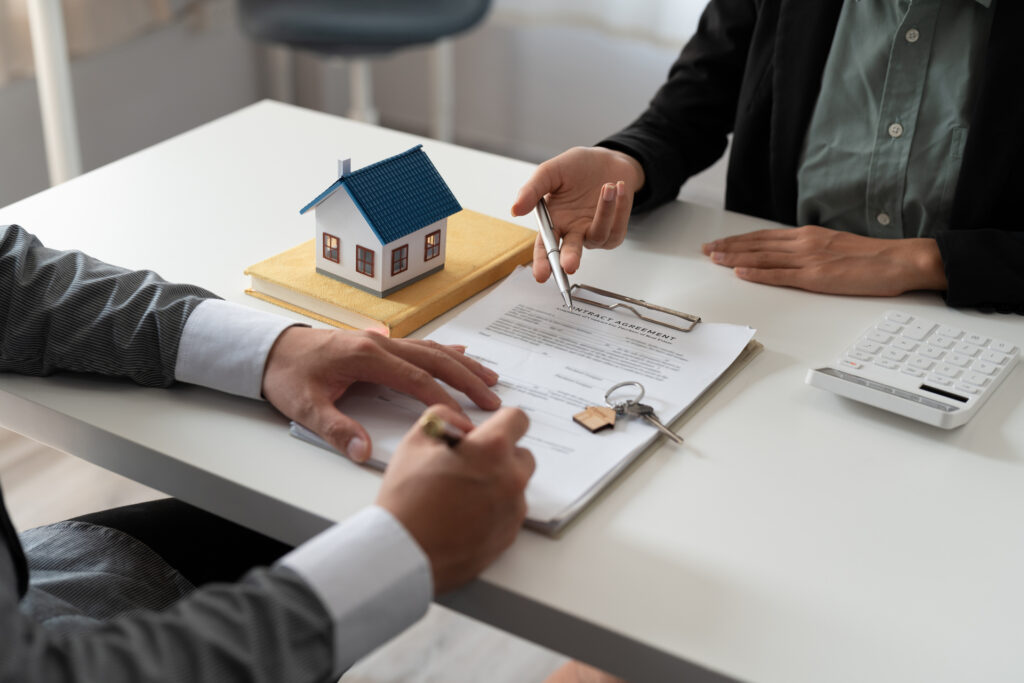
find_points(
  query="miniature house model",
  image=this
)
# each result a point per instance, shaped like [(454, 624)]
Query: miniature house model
[(384, 226)]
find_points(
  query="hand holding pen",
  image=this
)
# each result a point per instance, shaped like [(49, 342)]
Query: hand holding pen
[(589, 193), (552, 250), (459, 490)]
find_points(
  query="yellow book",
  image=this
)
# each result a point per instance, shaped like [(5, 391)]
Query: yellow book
[(480, 251)]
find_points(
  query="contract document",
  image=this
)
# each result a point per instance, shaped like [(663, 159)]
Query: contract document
[(553, 363)]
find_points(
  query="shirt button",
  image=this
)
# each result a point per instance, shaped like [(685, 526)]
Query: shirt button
[(912, 35), (883, 218), (895, 130)]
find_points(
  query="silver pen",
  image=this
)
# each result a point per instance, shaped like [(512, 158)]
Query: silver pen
[(547, 235)]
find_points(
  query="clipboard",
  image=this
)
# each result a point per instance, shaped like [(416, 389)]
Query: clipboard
[(658, 315), (637, 318), (606, 484)]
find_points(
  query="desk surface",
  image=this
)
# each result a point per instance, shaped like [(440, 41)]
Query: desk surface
[(796, 537)]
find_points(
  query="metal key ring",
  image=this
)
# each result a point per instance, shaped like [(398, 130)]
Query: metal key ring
[(629, 401)]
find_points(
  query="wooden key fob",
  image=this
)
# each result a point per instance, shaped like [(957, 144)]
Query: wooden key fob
[(596, 418)]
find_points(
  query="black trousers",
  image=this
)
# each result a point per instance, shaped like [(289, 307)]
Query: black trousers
[(203, 547)]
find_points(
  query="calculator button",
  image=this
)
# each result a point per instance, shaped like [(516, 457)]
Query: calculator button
[(958, 359), (947, 370), (994, 357), (918, 330), (942, 341), (976, 339), (967, 349), (880, 337), (975, 378), (985, 368), (887, 364), (952, 332), (912, 371), (905, 344), (859, 355), (895, 354), (921, 363), (850, 363), (1002, 346), (940, 380), (932, 352), (869, 346), (890, 327), (967, 389), (897, 317)]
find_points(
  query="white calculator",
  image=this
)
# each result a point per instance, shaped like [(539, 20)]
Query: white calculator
[(919, 368)]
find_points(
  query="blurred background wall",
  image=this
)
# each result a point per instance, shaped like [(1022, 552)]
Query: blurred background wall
[(534, 78)]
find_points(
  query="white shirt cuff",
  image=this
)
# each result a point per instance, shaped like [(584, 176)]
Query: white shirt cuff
[(371, 575), (224, 346)]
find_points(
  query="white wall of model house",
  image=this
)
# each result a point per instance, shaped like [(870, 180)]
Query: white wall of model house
[(338, 215)]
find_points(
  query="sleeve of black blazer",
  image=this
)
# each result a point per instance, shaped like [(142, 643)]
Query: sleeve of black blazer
[(984, 268), (65, 310), (686, 126)]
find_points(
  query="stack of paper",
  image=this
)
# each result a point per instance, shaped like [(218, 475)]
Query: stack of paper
[(554, 362)]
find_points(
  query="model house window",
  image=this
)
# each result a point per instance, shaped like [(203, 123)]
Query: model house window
[(364, 261), (433, 245), (400, 259), (331, 248)]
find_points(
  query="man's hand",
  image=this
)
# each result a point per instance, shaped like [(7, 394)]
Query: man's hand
[(832, 262), (463, 505), (308, 370), (589, 194)]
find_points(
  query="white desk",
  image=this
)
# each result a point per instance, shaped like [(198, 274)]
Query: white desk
[(796, 538)]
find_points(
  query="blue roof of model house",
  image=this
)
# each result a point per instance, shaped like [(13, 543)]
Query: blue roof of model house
[(398, 195)]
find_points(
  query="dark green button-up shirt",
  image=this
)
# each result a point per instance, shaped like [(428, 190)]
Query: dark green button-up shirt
[(883, 151)]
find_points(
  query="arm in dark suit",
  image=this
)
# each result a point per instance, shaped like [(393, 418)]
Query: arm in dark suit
[(984, 268), (267, 628), (65, 310), (685, 128), (710, 90), (332, 599)]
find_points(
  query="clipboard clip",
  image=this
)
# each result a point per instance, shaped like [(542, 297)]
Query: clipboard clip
[(630, 304)]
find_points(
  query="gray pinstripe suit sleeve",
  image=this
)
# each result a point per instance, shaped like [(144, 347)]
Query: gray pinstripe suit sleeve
[(266, 628), (64, 310)]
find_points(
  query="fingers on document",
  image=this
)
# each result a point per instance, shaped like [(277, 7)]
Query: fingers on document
[(341, 431), (426, 360)]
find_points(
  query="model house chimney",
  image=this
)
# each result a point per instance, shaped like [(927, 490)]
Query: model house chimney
[(344, 167)]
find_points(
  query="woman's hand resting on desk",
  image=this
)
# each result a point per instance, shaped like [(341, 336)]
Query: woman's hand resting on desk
[(589, 195), (830, 261), (308, 370)]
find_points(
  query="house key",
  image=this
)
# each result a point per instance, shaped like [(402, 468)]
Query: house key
[(647, 412), (634, 408)]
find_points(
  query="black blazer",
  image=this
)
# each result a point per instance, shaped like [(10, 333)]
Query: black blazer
[(754, 69)]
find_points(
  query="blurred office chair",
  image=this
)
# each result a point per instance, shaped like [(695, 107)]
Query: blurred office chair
[(355, 29)]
